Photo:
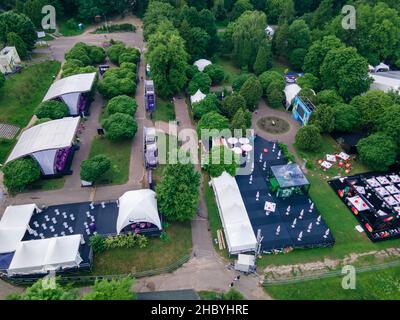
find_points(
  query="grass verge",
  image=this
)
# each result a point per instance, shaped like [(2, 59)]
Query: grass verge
[(165, 111)]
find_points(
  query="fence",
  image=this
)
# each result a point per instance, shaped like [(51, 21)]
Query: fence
[(329, 274), (87, 279)]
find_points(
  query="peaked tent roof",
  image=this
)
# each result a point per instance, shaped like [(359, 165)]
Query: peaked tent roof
[(138, 206), (77, 83), (13, 225), (197, 97), (201, 64), (291, 92), (50, 135), (382, 66)]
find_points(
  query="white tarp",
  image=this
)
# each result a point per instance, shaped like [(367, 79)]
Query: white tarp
[(138, 206), (382, 67), (13, 225), (201, 64), (50, 135), (46, 160), (71, 100), (291, 91), (41, 256), (239, 233), (78, 83), (197, 97)]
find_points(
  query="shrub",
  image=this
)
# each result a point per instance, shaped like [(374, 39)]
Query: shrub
[(97, 243), (20, 173), (309, 138), (52, 109), (92, 169), (286, 153), (122, 104), (120, 126)]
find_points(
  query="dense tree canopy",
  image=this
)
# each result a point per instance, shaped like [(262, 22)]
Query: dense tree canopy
[(215, 72), (347, 118), (389, 122), (208, 104), (308, 138), (178, 192), (92, 169), (201, 81), (20, 173), (324, 118), (329, 97), (263, 60), (232, 104), (14, 40), (122, 104), (116, 289), (241, 121), (212, 121), (52, 109), (120, 126), (221, 159), (251, 92), (309, 81)]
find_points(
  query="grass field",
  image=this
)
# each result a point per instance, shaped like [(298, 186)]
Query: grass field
[(158, 253), (231, 70), (119, 153), (23, 92), (47, 184), (165, 111), (66, 31), (373, 285), (5, 149)]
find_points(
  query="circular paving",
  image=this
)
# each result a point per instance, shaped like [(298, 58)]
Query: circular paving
[(273, 125)]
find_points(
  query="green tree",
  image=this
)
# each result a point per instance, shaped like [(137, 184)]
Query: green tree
[(308, 138), (120, 126), (266, 78), (212, 121), (298, 35), (241, 120), (275, 97), (118, 81), (197, 40), (21, 25), (329, 97), (122, 104), (240, 7), (263, 60), (208, 104), (280, 41), (251, 92), (94, 168), (116, 289), (20, 173), (377, 151), (221, 159), (389, 122), (200, 81), (347, 118), (156, 13), (178, 192), (215, 72), (278, 10), (2, 80), (52, 109), (232, 104), (239, 80), (309, 81), (296, 58), (233, 294), (324, 118), (371, 105), (14, 40), (346, 71)]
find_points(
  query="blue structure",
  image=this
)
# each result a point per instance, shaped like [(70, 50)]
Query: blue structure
[(149, 96), (302, 109)]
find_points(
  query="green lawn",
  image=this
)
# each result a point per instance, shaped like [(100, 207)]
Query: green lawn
[(337, 216), (158, 253), (119, 153), (23, 92), (374, 285), (165, 111), (5, 148), (47, 184), (66, 31), (231, 70)]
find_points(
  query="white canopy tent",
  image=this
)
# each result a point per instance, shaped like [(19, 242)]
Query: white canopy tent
[(291, 91), (42, 142), (197, 97), (70, 88), (13, 225), (41, 256), (138, 206), (386, 81), (201, 64), (382, 67), (239, 233)]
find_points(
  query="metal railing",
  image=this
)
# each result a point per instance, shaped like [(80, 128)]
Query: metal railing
[(329, 274)]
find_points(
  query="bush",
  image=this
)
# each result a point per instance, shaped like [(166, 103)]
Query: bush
[(120, 126), (309, 138), (125, 240), (97, 242), (92, 169), (52, 109), (119, 81), (40, 121), (87, 54), (200, 81), (115, 51), (122, 104), (216, 73), (288, 156), (20, 173)]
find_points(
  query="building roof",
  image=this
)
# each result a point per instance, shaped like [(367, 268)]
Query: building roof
[(50, 135), (197, 97), (40, 256), (201, 64), (13, 225), (138, 206), (289, 175), (78, 83), (239, 233)]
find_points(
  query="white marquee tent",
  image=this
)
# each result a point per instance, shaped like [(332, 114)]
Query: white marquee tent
[(239, 233), (197, 97), (69, 89), (382, 67), (291, 91), (42, 256), (201, 64), (386, 81), (42, 142), (138, 206), (13, 225)]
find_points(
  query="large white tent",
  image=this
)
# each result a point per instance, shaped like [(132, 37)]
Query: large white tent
[(42, 256), (386, 81), (44, 140), (138, 206), (291, 91), (13, 225), (69, 89), (197, 97), (239, 233), (201, 64)]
